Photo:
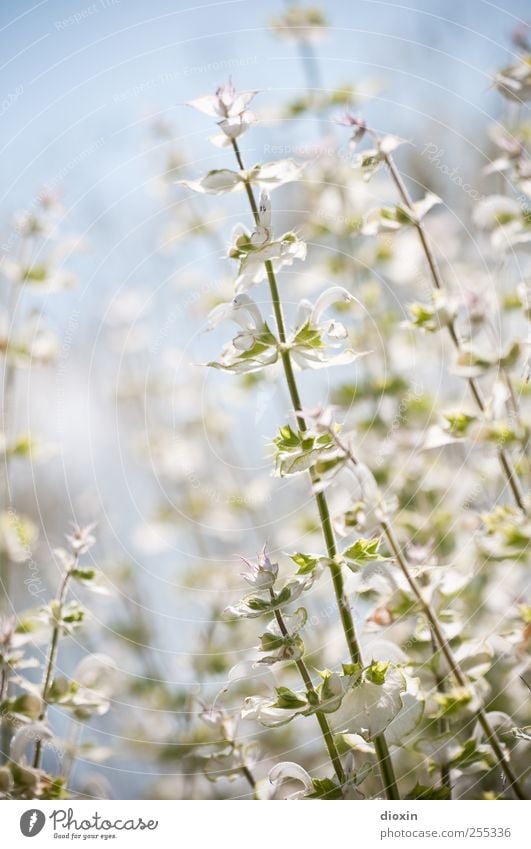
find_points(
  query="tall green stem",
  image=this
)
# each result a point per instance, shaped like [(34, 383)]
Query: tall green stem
[(444, 725), (385, 763), (505, 461), (52, 653), (313, 698), (437, 633), (453, 664)]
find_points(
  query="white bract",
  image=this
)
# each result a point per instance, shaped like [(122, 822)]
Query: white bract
[(506, 219), (315, 341), (254, 347), (262, 574), (391, 218), (368, 708), (253, 250), (31, 342), (270, 176)]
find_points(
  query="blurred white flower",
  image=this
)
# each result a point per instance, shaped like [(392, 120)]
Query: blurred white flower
[(31, 342), (33, 733), (290, 771), (300, 23), (81, 539)]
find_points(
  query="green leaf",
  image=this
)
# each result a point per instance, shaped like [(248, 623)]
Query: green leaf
[(305, 562), (271, 642), (421, 791), (452, 702), (471, 754), (288, 700), (297, 452), (376, 672), (325, 788), (308, 337), (36, 274), (352, 671), (459, 422), (84, 574), (363, 551)]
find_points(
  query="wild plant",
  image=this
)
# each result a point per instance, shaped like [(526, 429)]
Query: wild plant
[(362, 708), (26, 705)]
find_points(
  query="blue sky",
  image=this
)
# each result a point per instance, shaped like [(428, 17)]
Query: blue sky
[(86, 70)]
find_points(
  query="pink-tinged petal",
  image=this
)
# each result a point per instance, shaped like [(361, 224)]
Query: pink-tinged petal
[(208, 105)]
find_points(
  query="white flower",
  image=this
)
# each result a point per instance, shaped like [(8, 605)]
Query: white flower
[(410, 714), (506, 219), (268, 714), (369, 161), (97, 672), (212, 716), (254, 346), (496, 211), (290, 771), (33, 733), (301, 24), (222, 180), (313, 343), (369, 708), (514, 82), (232, 128), (44, 273), (18, 535), (257, 603), (255, 249), (81, 539), (262, 574), (225, 103), (30, 343), (390, 218), (216, 182), (358, 126), (244, 312)]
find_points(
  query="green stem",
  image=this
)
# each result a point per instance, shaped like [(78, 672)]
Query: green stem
[(246, 772), (386, 767), (443, 724), (52, 654), (453, 664), (313, 698), (505, 461), (437, 633)]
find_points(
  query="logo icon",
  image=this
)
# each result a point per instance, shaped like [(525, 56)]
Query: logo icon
[(32, 822)]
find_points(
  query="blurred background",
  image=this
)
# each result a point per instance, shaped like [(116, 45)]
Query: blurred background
[(171, 459)]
